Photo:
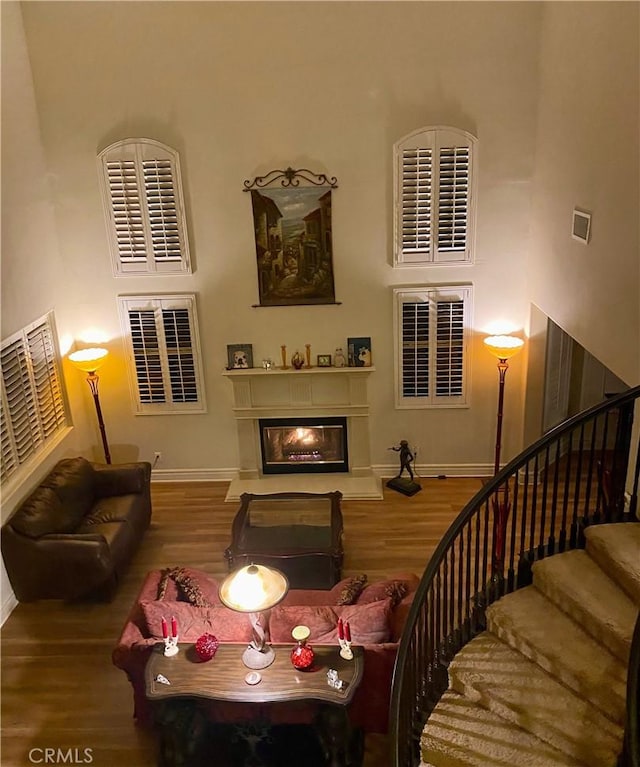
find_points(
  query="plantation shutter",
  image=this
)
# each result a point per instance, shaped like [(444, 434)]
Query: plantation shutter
[(450, 346), (416, 202), (433, 197), (453, 200), (33, 408), (415, 349), (431, 341), (165, 353), (146, 355), (144, 208)]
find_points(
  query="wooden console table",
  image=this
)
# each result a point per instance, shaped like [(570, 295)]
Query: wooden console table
[(223, 679), (297, 533)]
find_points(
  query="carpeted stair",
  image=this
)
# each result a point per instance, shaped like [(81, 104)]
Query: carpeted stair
[(545, 685)]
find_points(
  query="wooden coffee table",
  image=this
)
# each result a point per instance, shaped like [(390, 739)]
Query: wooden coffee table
[(297, 533), (223, 679)]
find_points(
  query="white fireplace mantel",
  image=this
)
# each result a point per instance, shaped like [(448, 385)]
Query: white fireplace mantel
[(308, 392)]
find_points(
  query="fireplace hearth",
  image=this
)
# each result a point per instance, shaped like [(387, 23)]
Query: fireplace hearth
[(304, 445)]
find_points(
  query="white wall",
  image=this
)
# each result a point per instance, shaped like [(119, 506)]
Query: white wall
[(588, 156), (242, 88)]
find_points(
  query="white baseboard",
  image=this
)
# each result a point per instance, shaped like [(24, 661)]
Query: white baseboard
[(381, 470), (9, 603), (439, 470), (193, 475)]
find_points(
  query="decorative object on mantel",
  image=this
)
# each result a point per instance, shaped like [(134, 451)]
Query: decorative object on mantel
[(399, 483), (267, 364), (339, 360), (359, 351), (292, 225), (307, 353), (239, 356), (323, 360), (297, 360), (283, 355)]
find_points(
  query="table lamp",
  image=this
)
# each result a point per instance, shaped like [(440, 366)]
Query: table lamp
[(253, 589), (88, 361)]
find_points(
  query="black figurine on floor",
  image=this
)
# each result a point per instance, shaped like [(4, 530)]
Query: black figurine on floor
[(404, 486), (406, 456)]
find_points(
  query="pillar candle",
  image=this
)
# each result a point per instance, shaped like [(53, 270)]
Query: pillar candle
[(174, 627), (340, 629), (347, 632), (165, 632)]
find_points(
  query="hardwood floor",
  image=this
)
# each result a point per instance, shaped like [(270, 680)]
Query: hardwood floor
[(59, 687)]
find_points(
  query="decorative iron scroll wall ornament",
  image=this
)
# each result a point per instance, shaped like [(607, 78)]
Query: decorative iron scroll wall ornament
[(290, 177), (293, 237)]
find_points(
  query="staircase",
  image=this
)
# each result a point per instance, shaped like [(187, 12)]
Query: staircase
[(545, 684)]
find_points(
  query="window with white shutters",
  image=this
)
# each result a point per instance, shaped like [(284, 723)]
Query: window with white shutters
[(432, 327), (144, 208), (434, 199), (164, 353), (33, 409)]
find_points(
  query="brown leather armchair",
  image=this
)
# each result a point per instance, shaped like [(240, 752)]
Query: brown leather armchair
[(76, 533)]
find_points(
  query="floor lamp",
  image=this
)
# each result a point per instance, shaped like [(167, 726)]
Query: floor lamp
[(502, 347), (89, 360)]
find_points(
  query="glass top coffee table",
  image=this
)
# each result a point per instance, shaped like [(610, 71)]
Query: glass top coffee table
[(297, 533)]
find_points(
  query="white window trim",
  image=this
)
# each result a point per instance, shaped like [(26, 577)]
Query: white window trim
[(434, 138), (430, 293), (156, 303), (42, 409), (150, 225)]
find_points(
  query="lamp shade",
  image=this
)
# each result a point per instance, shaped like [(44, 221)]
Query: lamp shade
[(253, 588), (503, 347), (88, 360)]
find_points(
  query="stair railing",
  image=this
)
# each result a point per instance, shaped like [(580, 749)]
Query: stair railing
[(540, 504)]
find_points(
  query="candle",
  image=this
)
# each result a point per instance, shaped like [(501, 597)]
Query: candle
[(165, 632), (174, 627), (347, 632), (340, 629)]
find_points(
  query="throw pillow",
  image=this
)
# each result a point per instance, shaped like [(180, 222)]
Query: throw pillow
[(396, 589), (369, 623), (169, 588), (227, 625), (352, 590), (188, 586)]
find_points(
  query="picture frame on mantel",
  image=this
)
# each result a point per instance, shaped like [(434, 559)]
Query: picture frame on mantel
[(359, 352), (239, 356), (293, 237), (324, 360)]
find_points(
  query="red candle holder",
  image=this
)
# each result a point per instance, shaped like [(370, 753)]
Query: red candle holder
[(302, 655)]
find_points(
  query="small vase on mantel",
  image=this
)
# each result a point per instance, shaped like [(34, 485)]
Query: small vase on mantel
[(302, 655)]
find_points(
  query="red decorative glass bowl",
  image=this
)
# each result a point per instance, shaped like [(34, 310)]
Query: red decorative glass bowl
[(302, 654), (206, 646)]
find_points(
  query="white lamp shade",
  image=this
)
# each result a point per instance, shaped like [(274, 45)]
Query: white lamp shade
[(503, 347), (88, 360), (253, 588)]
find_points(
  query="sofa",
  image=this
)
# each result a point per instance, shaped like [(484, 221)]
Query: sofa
[(75, 534), (376, 613)]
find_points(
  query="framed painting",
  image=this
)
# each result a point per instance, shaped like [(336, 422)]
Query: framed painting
[(294, 248), (359, 352), (239, 356)]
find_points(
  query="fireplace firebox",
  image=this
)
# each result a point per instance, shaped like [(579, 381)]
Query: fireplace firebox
[(303, 445)]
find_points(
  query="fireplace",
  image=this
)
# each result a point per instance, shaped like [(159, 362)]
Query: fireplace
[(303, 445)]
